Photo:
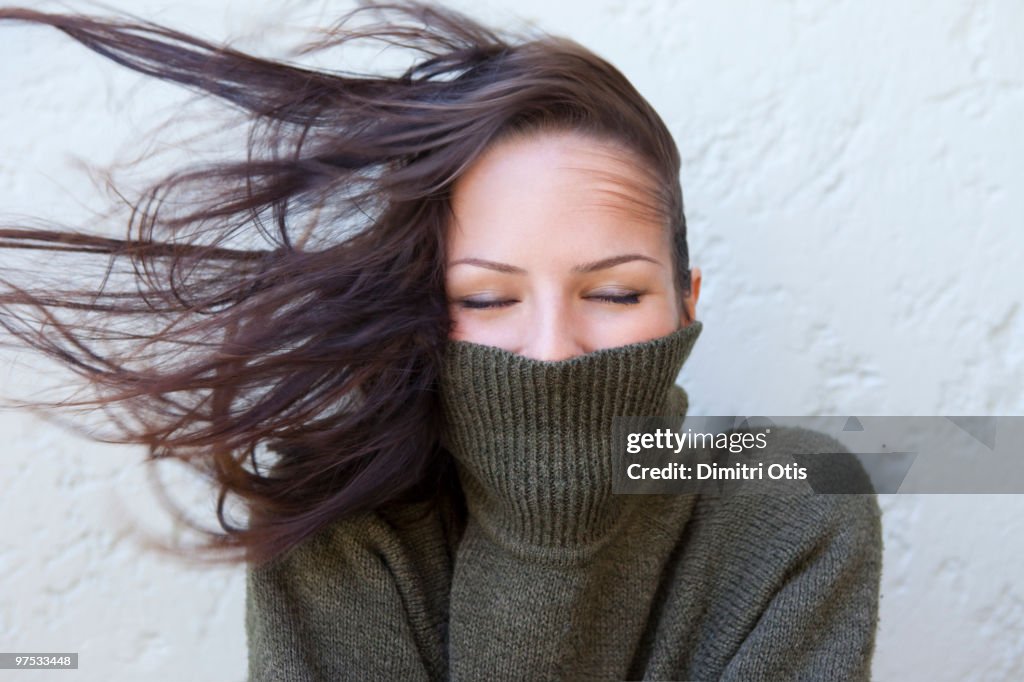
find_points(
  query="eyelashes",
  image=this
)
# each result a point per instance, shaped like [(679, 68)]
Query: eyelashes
[(481, 305), (623, 299)]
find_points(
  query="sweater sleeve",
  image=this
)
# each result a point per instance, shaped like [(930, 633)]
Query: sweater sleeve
[(822, 603), (361, 600)]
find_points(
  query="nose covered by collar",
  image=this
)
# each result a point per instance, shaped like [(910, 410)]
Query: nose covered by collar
[(532, 439)]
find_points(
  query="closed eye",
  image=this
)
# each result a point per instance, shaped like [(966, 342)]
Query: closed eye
[(624, 299), (476, 305)]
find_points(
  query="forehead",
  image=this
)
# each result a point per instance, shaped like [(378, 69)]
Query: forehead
[(555, 179)]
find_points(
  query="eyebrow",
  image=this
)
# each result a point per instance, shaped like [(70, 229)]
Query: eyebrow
[(602, 264)]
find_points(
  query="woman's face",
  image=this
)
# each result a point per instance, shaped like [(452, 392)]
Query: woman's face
[(549, 258)]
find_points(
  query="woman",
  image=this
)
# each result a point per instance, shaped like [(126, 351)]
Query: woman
[(466, 272)]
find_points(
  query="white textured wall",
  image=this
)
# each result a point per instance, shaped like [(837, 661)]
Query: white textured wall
[(852, 172)]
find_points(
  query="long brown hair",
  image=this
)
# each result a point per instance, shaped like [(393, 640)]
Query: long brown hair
[(283, 333)]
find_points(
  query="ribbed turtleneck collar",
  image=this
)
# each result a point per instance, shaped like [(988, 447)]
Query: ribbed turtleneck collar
[(532, 439)]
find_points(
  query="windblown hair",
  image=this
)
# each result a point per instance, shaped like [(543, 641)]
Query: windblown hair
[(282, 334)]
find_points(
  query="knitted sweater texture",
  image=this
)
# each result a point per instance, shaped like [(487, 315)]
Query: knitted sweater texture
[(554, 577)]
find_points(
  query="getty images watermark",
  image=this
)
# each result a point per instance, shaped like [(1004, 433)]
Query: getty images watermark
[(842, 454)]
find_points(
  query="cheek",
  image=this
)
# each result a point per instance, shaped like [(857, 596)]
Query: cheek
[(653, 322), (489, 329), (462, 326)]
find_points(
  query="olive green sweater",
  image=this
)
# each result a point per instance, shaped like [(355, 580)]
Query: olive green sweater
[(554, 577)]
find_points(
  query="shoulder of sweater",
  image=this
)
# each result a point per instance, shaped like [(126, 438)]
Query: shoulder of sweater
[(378, 535), (801, 519), (830, 464)]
